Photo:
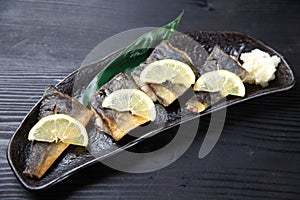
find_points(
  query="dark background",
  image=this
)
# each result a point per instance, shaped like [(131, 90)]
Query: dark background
[(258, 154)]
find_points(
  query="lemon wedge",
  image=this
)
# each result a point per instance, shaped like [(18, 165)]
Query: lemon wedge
[(59, 127), (132, 100), (168, 70), (223, 81)]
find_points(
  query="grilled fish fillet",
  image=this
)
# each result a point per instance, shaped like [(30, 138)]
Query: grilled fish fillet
[(217, 60), (42, 154), (166, 93), (115, 123)]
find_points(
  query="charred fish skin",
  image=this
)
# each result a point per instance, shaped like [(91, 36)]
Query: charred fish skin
[(166, 50), (42, 155), (117, 124), (192, 49), (166, 93), (216, 60), (57, 102)]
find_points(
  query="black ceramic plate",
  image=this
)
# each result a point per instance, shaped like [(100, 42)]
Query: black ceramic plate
[(76, 158)]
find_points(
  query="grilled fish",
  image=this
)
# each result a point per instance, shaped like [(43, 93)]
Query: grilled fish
[(217, 60), (113, 122), (202, 100), (166, 93), (42, 154), (192, 48)]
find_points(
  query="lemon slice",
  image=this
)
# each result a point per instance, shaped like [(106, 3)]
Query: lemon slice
[(59, 127), (133, 100), (168, 69), (223, 81)]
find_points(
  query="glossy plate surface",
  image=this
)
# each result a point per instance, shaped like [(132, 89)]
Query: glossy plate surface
[(76, 158)]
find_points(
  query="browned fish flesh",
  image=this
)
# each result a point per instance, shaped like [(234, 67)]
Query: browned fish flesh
[(42, 154), (115, 123)]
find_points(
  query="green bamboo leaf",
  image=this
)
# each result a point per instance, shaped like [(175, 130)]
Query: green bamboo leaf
[(130, 57)]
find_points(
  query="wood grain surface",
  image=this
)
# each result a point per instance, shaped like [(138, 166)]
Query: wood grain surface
[(258, 154)]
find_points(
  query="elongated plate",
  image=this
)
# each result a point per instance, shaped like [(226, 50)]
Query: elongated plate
[(76, 158)]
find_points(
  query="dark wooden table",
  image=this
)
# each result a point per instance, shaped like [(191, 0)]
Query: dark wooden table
[(258, 154)]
